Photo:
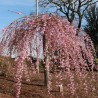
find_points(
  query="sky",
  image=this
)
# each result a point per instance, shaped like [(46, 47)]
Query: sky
[(6, 16), (7, 9), (6, 6)]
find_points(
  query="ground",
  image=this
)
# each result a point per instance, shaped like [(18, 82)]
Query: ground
[(36, 89)]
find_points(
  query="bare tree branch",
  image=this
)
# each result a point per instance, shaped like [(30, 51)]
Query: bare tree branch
[(70, 8)]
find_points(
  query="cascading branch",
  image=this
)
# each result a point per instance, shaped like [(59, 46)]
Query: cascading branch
[(61, 46)]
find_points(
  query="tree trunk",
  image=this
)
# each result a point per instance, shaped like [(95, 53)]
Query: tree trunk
[(46, 64), (80, 19), (37, 66), (79, 25), (46, 73)]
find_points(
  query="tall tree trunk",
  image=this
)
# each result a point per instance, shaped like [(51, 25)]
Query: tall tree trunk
[(46, 65), (46, 73)]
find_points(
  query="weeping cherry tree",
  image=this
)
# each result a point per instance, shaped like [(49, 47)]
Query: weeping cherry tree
[(61, 48)]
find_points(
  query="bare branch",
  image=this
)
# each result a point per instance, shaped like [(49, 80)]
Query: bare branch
[(71, 8)]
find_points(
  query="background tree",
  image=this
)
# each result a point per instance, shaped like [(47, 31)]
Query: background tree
[(91, 16), (70, 8)]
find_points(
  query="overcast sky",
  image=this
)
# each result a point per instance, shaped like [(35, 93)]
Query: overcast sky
[(6, 17)]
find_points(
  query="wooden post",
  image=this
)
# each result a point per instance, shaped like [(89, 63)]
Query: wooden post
[(61, 89)]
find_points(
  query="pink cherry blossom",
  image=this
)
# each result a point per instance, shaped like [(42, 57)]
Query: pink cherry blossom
[(72, 51)]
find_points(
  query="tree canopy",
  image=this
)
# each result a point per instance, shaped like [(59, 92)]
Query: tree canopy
[(70, 8), (61, 46)]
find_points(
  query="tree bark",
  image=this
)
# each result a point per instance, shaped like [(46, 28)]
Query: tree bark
[(46, 73), (45, 66), (80, 21), (37, 66)]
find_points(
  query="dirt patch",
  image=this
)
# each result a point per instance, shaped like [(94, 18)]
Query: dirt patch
[(36, 89), (5, 96)]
